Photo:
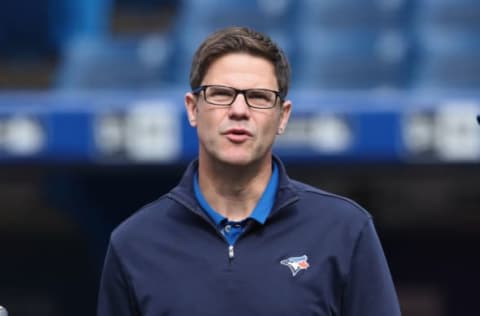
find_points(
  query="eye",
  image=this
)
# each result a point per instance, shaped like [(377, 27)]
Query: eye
[(220, 92), (261, 95)]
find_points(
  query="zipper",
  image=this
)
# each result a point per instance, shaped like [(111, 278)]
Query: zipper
[(231, 252)]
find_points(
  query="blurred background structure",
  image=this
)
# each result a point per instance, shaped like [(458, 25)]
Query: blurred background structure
[(385, 93)]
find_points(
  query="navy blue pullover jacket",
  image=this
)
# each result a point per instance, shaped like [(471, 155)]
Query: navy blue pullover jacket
[(317, 254)]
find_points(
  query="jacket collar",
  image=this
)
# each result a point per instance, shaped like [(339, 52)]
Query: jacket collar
[(184, 193)]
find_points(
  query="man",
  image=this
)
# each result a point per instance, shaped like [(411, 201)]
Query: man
[(237, 236)]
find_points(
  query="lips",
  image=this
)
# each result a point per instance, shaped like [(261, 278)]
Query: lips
[(238, 135)]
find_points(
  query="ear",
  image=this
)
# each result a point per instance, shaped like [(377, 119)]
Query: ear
[(284, 116), (191, 107)]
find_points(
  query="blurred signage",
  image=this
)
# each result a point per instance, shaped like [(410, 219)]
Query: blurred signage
[(447, 132), (327, 133), (142, 132), (21, 135)]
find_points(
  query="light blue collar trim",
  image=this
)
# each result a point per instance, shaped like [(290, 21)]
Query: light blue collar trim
[(262, 209)]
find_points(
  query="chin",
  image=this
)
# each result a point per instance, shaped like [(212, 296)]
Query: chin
[(236, 160), (240, 158)]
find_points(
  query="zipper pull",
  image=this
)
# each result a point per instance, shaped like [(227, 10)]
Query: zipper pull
[(231, 253)]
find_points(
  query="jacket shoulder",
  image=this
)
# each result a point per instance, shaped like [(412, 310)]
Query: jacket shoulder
[(318, 198)]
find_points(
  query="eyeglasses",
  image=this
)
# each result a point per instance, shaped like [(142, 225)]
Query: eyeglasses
[(225, 96)]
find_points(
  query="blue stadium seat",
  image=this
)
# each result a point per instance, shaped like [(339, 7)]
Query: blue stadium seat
[(352, 60), (258, 13), (449, 14), (448, 34), (354, 13), (449, 60), (116, 63), (79, 18)]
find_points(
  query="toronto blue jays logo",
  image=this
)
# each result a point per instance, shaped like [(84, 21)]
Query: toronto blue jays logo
[(296, 264)]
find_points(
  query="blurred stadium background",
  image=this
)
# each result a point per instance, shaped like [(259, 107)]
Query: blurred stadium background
[(92, 127)]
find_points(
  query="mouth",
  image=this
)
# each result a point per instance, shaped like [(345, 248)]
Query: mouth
[(238, 135)]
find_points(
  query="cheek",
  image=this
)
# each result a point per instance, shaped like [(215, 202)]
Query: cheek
[(270, 128), (206, 128), (272, 123), (202, 129)]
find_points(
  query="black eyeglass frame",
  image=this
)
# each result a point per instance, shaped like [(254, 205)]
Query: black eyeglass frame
[(199, 89)]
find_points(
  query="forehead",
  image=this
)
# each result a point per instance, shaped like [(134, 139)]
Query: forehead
[(242, 71)]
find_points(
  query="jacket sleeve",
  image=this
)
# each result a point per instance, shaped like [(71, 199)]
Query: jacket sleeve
[(369, 290), (115, 295)]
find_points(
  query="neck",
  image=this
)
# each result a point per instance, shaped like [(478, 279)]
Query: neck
[(234, 191)]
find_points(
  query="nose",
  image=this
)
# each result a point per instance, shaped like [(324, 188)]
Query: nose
[(239, 107)]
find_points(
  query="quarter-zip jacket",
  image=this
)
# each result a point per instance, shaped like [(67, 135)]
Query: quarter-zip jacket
[(317, 254)]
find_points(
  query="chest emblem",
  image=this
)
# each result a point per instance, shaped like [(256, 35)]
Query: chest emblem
[(296, 264)]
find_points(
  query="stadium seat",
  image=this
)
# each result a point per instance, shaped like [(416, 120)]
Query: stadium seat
[(258, 13), (79, 18), (352, 60), (115, 63), (349, 44), (447, 14), (448, 33), (449, 60), (354, 13)]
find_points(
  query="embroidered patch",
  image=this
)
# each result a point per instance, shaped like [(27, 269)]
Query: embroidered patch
[(296, 263)]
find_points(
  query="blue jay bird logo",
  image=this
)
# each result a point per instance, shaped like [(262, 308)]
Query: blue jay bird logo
[(296, 264)]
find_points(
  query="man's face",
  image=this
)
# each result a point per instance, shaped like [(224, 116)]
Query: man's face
[(237, 134)]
